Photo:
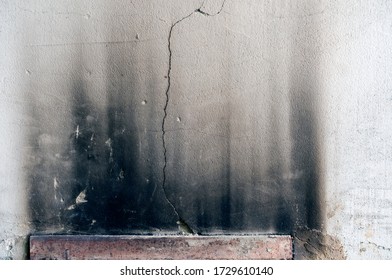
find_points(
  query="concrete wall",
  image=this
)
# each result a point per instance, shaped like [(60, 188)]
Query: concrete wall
[(228, 116)]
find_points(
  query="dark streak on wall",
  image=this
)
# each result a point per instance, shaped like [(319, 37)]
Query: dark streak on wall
[(103, 174), (305, 121)]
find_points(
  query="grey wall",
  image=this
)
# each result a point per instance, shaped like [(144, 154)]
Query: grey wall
[(231, 116)]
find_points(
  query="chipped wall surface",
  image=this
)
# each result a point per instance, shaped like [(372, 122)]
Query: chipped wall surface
[(204, 116)]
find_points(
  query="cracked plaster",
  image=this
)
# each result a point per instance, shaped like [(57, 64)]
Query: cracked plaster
[(184, 227)]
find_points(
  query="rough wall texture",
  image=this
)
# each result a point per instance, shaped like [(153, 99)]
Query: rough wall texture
[(311, 244), (220, 116)]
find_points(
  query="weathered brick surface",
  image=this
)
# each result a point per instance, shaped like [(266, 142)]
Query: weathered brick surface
[(84, 247)]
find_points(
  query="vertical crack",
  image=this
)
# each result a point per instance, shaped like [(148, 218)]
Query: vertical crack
[(182, 225), (180, 221)]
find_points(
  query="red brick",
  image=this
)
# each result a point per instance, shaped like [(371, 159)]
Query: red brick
[(88, 247)]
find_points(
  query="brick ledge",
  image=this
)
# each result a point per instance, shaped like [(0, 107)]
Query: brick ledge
[(124, 247)]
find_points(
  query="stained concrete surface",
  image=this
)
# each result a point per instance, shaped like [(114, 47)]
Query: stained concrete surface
[(229, 116)]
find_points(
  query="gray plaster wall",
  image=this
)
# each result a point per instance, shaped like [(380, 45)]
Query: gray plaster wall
[(227, 116)]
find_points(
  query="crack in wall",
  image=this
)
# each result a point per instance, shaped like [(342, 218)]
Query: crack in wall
[(378, 246), (182, 225), (164, 122), (208, 14)]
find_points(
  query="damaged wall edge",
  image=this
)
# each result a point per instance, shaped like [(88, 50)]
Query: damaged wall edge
[(311, 244), (15, 248)]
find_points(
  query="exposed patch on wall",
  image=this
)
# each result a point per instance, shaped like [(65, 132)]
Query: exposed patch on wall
[(310, 244), (14, 246)]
